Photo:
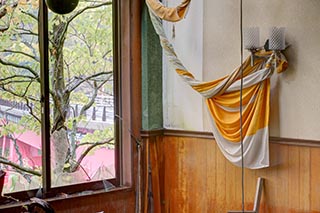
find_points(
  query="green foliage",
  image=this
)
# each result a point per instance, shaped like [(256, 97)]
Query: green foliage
[(78, 98), (14, 179), (87, 47), (99, 135), (11, 128), (87, 51), (28, 122)]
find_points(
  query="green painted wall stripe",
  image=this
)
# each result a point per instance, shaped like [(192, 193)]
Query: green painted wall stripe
[(152, 109)]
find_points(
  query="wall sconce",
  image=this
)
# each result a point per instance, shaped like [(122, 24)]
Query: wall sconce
[(276, 41), (252, 41)]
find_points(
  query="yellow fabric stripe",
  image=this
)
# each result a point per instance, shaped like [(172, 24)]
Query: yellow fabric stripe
[(169, 14), (255, 115), (184, 72), (283, 65), (204, 86), (232, 99)]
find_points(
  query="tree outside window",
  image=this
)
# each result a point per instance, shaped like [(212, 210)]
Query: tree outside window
[(81, 94)]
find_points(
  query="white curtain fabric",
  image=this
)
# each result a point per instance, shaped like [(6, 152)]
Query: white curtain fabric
[(222, 98)]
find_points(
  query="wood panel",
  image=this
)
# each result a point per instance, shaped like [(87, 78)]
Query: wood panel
[(211, 180), (293, 177), (315, 178), (197, 178)]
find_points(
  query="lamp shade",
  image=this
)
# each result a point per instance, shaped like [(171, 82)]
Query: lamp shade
[(277, 38), (251, 38), (62, 6)]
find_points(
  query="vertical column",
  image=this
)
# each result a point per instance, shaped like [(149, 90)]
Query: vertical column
[(152, 112)]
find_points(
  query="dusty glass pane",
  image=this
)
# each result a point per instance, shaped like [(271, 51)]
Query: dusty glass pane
[(82, 106), (20, 140)]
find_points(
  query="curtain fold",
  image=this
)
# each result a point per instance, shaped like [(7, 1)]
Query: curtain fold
[(173, 14)]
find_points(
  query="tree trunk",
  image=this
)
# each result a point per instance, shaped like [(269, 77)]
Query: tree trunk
[(59, 135), (59, 149)]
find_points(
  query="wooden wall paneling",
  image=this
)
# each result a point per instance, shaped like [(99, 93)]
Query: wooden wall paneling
[(166, 186), (182, 177), (277, 179), (198, 178), (304, 160), (315, 180), (172, 197), (196, 171), (250, 181), (271, 179), (161, 168), (282, 178), (155, 180), (294, 177), (211, 175), (170, 169), (231, 189), (238, 194), (220, 182)]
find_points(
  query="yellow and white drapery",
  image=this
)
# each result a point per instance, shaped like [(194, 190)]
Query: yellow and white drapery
[(223, 95)]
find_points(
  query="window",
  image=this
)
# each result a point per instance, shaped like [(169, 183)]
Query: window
[(57, 124)]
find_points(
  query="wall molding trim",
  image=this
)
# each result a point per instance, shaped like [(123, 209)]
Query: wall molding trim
[(151, 133), (208, 135)]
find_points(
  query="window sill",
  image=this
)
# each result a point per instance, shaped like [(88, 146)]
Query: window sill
[(88, 193)]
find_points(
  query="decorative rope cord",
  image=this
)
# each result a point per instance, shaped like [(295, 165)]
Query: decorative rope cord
[(241, 105)]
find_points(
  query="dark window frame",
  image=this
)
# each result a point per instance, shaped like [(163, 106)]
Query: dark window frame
[(120, 149)]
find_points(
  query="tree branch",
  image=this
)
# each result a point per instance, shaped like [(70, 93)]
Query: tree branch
[(3, 29), (17, 149), (4, 12), (23, 53), (14, 93), (84, 154), (105, 55), (31, 110), (32, 48), (90, 103), (17, 166), (30, 14), (15, 76), (33, 99), (70, 87), (28, 33), (13, 82), (79, 12), (6, 63), (83, 39), (91, 143)]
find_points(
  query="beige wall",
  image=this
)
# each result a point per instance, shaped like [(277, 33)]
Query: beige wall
[(182, 105), (295, 100)]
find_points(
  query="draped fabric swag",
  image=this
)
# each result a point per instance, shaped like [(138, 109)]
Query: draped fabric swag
[(222, 96)]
